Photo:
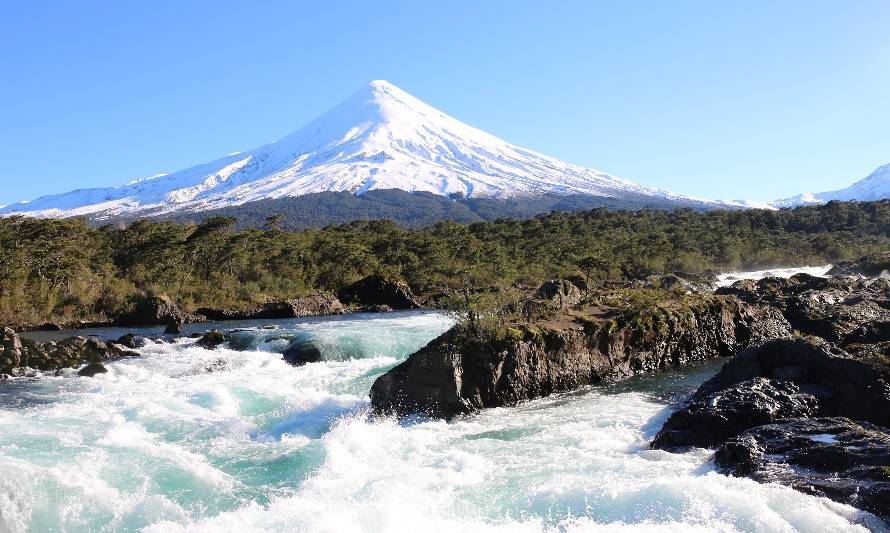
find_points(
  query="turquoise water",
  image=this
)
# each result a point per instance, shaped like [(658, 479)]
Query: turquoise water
[(189, 439)]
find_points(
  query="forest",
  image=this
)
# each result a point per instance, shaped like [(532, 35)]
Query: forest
[(68, 269)]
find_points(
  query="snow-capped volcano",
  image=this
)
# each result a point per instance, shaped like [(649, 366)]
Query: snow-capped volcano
[(379, 138), (875, 186)]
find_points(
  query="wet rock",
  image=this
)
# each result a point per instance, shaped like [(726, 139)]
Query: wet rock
[(377, 290), (843, 385), (68, 353), (132, 341), (559, 293), (302, 352), (836, 458), (92, 369), (711, 419), (211, 339), (173, 329), (463, 371)]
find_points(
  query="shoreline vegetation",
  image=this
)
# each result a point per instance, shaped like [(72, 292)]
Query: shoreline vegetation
[(67, 273)]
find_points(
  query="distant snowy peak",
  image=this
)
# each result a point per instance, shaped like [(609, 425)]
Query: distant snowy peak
[(379, 138), (875, 186)]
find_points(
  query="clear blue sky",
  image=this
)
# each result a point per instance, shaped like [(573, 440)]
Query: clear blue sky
[(755, 100)]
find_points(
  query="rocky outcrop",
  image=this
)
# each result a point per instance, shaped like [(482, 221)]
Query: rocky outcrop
[(18, 354), (836, 458), (841, 310), (876, 265), (152, 309), (843, 385), (464, 370), (559, 294), (10, 351), (317, 304), (91, 369), (377, 290), (762, 406), (211, 339), (131, 341), (302, 352), (711, 419)]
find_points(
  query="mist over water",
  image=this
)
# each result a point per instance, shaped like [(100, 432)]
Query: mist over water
[(189, 439)]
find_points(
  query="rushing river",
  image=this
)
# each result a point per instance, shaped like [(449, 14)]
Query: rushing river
[(184, 438)]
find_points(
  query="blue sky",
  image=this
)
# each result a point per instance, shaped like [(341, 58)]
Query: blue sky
[(755, 100)]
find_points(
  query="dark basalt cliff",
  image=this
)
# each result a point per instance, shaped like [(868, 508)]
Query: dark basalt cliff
[(465, 370), (813, 411)]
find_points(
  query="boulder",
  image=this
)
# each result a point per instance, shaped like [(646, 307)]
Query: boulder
[(463, 371), (559, 293), (174, 328), (211, 339), (837, 458), (10, 351), (302, 352), (671, 282), (92, 369), (377, 290), (154, 309), (132, 341), (843, 385), (711, 419)]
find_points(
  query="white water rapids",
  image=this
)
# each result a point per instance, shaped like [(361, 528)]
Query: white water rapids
[(184, 438)]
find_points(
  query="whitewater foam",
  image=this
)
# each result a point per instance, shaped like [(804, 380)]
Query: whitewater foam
[(728, 278), (188, 439)]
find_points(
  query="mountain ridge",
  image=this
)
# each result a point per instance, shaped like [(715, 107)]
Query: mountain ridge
[(875, 186), (381, 137)]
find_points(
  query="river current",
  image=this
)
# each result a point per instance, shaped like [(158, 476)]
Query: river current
[(188, 439)]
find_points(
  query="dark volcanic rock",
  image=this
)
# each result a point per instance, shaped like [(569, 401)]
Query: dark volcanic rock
[(461, 371), (870, 265), (132, 341), (317, 304), (711, 419), (302, 352), (837, 458), (173, 329), (153, 309), (92, 369), (66, 353), (377, 290), (211, 339), (843, 385), (841, 310)]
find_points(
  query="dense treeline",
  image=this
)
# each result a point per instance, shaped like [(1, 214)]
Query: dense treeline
[(415, 209), (66, 269)]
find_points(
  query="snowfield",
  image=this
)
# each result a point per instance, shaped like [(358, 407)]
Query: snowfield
[(875, 186), (379, 138)]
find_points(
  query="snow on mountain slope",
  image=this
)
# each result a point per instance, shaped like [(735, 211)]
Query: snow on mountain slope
[(380, 138), (875, 186)]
